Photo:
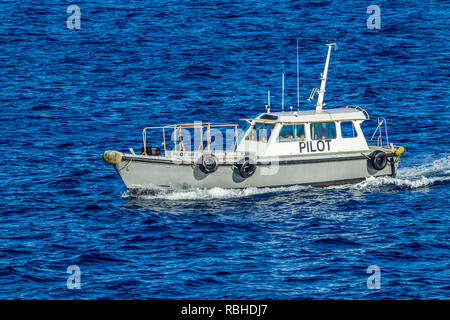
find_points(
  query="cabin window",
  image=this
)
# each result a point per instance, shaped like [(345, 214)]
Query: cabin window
[(260, 132), (323, 130), (348, 129), (291, 132)]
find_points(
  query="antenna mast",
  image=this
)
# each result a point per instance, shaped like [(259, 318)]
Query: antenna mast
[(282, 95), (268, 100), (320, 103), (298, 84)]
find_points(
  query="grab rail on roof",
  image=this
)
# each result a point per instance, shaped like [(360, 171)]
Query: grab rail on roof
[(360, 109)]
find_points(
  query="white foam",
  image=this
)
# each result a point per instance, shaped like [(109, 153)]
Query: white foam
[(401, 182), (439, 166), (181, 193), (413, 177)]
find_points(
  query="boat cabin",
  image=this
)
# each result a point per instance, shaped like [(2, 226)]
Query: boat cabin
[(305, 132)]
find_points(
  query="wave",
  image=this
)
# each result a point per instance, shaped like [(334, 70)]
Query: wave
[(408, 178)]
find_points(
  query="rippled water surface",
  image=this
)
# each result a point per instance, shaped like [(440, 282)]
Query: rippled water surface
[(68, 95)]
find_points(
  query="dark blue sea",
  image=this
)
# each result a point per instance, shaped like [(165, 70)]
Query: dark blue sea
[(67, 95)]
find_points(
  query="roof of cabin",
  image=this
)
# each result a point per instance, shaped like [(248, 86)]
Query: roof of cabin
[(350, 113)]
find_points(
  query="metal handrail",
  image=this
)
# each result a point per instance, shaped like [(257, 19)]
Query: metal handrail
[(359, 108), (179, 127), (381, 121), (303, 121)]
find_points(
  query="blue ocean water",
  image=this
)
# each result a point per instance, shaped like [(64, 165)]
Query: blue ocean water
[(68, 95)]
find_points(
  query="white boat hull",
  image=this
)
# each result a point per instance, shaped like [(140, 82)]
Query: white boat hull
[(138, 172)]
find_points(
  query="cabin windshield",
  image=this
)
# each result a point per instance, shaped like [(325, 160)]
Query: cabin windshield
[(260, 132)]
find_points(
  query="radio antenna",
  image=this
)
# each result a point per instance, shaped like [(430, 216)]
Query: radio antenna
[(298, 83), (268, 99), (282, 95)]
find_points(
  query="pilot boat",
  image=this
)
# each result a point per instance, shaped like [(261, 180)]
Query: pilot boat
[(320, 147)]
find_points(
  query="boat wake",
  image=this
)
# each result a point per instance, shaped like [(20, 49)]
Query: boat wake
[(408, 178), (188, 193)]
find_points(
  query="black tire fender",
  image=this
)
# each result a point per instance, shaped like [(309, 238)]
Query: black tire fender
[(378, 159), (246, 167), (208, 163)]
